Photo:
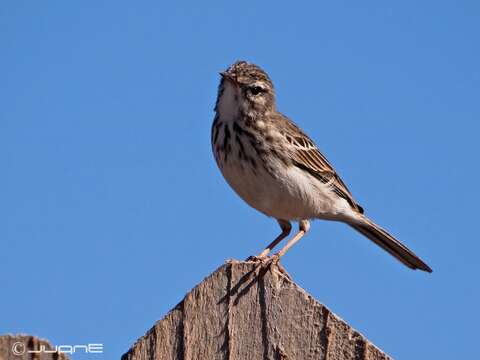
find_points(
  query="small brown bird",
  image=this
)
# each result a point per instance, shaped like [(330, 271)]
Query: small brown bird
[(278, 170)]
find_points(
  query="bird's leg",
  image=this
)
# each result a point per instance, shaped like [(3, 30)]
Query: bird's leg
[(304, 226), (286, 228)]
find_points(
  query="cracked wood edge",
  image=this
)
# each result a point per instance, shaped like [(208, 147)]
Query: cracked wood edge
[(245, 310)]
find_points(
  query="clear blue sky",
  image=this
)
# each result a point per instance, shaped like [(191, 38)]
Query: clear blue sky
[(112, 207)]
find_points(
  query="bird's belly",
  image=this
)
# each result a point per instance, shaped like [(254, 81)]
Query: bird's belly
[(285, 193)]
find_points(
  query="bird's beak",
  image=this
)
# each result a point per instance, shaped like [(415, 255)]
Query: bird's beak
[(229, 77)]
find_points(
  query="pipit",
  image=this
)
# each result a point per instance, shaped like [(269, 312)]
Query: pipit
[(278, 170)]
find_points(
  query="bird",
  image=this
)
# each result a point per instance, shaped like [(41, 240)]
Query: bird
[(277, 169)]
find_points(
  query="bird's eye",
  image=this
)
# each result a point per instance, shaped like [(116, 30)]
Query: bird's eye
[(255, 90)]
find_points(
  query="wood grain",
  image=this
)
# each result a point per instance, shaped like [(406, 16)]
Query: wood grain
[(249, 310)]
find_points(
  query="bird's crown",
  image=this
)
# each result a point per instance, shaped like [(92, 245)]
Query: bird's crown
[(244, 73)]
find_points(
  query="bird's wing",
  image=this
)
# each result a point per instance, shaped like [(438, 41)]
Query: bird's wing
[(306, 156)]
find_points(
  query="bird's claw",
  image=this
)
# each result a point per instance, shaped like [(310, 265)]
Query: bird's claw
[(268, 263), (254, 258), (265, 260), (274, 259)]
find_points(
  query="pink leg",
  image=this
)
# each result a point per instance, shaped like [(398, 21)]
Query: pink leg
[(286, 228), (304, 226)]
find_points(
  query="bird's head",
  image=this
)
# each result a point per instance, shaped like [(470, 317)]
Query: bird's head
[(248, 87)]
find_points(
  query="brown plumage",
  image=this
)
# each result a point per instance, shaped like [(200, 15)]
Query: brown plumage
[(277, 169)]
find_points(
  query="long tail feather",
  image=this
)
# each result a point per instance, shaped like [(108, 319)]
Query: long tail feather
[(387, 242)]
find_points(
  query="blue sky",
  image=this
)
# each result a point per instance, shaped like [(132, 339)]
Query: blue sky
[(112, 207)]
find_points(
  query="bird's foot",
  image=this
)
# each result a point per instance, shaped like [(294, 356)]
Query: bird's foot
[(272, 262), (275, 259), (265, 263), (264, 259), (254, 258)]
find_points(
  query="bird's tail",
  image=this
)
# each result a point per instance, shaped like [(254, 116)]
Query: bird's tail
[(388, 243)]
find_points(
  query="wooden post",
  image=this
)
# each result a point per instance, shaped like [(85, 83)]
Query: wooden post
[(246, 310), (27, 347)]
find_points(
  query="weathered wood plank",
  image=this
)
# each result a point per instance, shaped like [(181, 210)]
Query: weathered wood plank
[(248, 310)]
